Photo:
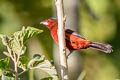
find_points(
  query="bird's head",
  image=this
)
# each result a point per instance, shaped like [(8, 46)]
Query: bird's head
[(50, 23)]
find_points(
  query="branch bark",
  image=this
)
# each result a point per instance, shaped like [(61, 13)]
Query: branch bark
[(61, 38), (16, 70)]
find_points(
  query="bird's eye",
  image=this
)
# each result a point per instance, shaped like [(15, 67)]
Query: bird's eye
[(48, 20)]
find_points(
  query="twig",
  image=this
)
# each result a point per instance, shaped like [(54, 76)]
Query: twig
[(14, 59), (16, 70), (10, 52), (11, 70), (61, 38), (23, 72)]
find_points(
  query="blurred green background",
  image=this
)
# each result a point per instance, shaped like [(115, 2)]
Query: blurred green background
[(96, 20)]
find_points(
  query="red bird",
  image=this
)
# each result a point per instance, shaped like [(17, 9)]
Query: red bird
[(74, 41)]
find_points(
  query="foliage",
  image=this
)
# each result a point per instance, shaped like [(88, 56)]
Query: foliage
[(40, 63), (16, 48), (4, 64), (106, 28)]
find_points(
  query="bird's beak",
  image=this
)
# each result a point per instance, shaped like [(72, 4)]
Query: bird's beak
[(44, 23)]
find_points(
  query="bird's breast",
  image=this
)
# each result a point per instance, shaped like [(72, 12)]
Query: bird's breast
[(54, 34)]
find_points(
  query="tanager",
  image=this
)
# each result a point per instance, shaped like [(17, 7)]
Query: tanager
[(74, 41)]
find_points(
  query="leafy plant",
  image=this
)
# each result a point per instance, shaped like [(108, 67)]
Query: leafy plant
[(15, 52)]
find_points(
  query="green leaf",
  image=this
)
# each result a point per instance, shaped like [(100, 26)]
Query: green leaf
[(6, 53), (5, 39), (18, 39), (43, 64), (4, 63), (30, 32), (35, 61), (1, 72), (23, 61), (8, 73), (26, 33), (7, 76), (47, 78)]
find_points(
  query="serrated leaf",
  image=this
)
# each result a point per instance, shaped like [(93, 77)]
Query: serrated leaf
[(23, 61), (4, 63), (30, 32), (18, 39), (47, 78), (44, 65), (49, 68), (35, 61)]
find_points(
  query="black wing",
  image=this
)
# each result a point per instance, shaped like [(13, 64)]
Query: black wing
[(74, 33)]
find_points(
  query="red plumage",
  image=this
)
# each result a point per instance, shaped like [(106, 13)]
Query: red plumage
[(75, 41)]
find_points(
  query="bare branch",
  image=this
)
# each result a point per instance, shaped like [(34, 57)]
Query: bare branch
[(61, 38)]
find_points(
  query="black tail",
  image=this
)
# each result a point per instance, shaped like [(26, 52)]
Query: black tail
[(102, 47)]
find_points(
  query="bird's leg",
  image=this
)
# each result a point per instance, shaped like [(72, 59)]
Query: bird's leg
[(69, 54)]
